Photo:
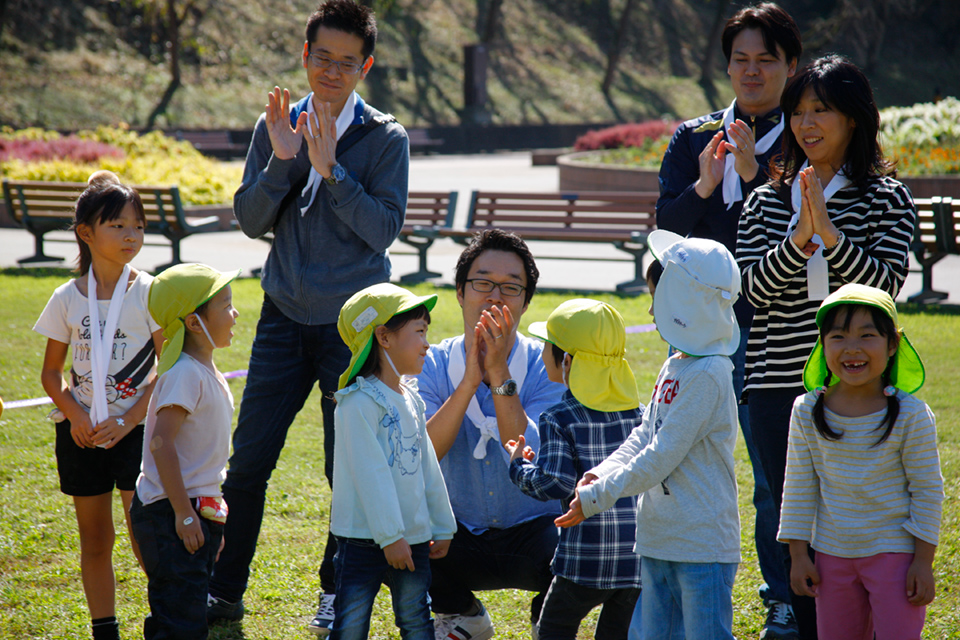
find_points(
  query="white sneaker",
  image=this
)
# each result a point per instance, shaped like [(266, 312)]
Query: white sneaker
[(321, 623), (458, 627)]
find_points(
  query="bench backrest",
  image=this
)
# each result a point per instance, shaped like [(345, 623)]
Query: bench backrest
[(584, 211), (430, 209), (937, 225), (45, 200)]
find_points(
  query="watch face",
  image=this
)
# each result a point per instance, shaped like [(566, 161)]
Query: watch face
[(508, 388), (338, 173)]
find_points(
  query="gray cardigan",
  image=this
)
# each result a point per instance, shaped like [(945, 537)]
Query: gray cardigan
[(339, 246)]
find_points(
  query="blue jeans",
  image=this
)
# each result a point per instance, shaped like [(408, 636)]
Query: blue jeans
[(176, 579), (777, 586), (515, 558), (286, 360), (361, 568), (685, 600), (568, 603), (772, 408)]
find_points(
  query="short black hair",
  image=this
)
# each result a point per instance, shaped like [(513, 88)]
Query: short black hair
[(497, 240), (558, 354), (346, 16), (775, 24), (654, 271)]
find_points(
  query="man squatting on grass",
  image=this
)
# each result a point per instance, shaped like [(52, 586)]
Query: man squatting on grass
[(329, 179)]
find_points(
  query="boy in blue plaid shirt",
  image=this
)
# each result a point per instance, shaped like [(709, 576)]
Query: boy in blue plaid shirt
[(595, 562)]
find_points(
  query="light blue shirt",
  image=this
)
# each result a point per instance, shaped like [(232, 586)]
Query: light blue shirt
[(480, 490)]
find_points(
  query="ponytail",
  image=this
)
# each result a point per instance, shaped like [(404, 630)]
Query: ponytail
[(819, 419)]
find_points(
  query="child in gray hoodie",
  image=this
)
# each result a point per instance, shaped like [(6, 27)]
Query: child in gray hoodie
[(680, 459)]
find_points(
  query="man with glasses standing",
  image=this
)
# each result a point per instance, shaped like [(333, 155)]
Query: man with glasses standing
[(329, 178), (482, 389)]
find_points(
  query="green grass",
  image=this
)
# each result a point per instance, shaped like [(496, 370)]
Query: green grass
[(40, 591)]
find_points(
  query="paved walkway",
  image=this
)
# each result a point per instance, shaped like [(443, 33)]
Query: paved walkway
[(506, 172)]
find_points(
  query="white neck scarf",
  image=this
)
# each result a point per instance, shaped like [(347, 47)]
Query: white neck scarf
[(486, 424), (732, 192), (818, 275), (101, 344), (344, 120)]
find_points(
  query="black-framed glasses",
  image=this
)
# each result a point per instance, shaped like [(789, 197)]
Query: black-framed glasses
[(508, 289), (322, 61)]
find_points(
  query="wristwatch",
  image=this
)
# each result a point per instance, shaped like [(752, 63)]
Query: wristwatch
[(337, 174), (508, 388)]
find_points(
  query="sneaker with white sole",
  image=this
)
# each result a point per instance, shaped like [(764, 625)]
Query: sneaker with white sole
[(459, 627), (781, 624), (321, 623)]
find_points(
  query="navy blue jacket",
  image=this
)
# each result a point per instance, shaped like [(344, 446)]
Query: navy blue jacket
[(681, 210)]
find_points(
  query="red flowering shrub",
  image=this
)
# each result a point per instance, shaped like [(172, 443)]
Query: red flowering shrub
[(625, 135), (69, 148)]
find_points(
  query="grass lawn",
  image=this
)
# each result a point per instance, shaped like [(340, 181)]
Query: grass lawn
[(40, 590)]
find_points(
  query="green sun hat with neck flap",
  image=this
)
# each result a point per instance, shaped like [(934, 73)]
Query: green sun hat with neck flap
[(593, 333), (174, 295), (906, 373), (364, 312)]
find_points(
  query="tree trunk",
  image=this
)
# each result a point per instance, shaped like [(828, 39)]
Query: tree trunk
[(173, 42), (710, 53), (616, 48)]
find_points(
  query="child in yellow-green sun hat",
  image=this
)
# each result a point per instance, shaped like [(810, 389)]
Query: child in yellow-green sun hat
[(177, 514), (390, 512), (595, 562)]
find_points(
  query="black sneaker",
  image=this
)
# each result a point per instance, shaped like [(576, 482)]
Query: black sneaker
[(219, 609), (781, 623), (321, 623)]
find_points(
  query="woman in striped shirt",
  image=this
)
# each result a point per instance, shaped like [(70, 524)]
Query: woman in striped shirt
[(863, 484), (832, 214)]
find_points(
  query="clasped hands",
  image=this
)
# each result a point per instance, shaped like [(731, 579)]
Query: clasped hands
[(813, 218), (713, 158), (490, 347), (320, 132)]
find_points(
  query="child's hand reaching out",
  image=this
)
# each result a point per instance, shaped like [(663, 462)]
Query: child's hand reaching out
[(516, 449), (399, 555), (574, 515)]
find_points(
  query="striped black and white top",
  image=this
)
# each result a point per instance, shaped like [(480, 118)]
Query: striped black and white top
[(876, 229)]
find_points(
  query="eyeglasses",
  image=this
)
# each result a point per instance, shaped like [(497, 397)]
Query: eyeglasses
[(322, 61), (506, 288)]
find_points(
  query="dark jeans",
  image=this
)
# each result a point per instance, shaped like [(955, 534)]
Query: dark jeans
[(514, 558), (361, 568), (286, 360), (769, 555), (568, 603), (176, 579), (770, 417)]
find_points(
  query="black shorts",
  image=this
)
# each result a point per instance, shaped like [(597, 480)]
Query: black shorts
[(91, 472)]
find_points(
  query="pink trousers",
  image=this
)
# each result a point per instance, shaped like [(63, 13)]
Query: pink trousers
[(861, 595)]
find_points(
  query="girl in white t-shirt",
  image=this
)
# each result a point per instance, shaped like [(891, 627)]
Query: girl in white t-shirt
[(101, 317)]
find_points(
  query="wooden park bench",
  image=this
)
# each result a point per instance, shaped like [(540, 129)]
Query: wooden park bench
[(934, 238), (420, 139), (217, 144), (41, 207), (622, 219), (428, 213)]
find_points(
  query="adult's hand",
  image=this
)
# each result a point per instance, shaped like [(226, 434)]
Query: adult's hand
[(712, 161), (742, 145), (496, 328), (811, 191), (284, 139), (322, 139), (803, 234)]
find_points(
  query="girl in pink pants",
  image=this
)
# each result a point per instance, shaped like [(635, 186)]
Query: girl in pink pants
[(863, 485)]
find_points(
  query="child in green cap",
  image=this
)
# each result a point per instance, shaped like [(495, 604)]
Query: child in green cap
[(595, 562), (390, 511), (177, 512), (863, 484)]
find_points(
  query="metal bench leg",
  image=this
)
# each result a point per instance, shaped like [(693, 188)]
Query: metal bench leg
[(927, 294), (423, 273), (39, 255), (175, 246), (639, 283)]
